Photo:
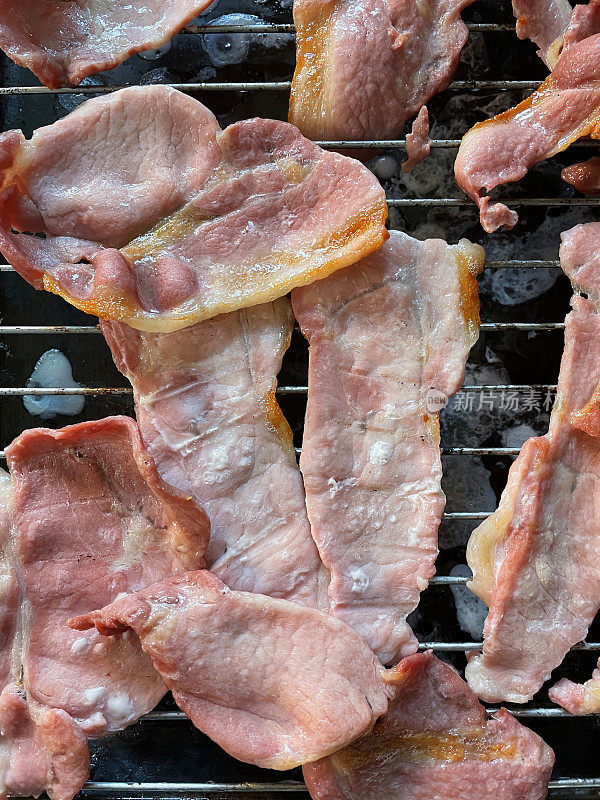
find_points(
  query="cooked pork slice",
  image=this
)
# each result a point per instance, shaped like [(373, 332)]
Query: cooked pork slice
[(502, 149), (417, 141), (93, 520), (535, 560), (388, 338), (205, 403), (578, 698), (365, 67), (585, 177), (84, 517), (584, 22), (41, 748), (46, 751), (148, 213), (272, 682), (544, 22), (580, 257), (64, 42), (435, 742)]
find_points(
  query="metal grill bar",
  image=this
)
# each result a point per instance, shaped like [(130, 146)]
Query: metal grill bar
[(469, 647), (191, 789), (19, 391), (469, 451), (523, 264), (290, 28), (248, 86), (556, 787), (62, 392), (481, 451), (446, 451), (488, 387), (389, 144), (48, 329), (457, 202), (526, 713), (519, 326), (79, 329), (355, 144), (489, 265)]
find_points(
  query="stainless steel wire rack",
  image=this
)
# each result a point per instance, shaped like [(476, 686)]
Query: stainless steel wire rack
[(163, 755)]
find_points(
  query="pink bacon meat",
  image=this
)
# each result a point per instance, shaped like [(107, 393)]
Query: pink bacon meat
[(380, 354)]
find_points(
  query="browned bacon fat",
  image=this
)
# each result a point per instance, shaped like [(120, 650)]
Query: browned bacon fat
[(502, 149), (535, 560), (365, 67), (435, 742), (205, 402), (148, 213), (63, 42), (272, 682), (388, 338), (86, 517)]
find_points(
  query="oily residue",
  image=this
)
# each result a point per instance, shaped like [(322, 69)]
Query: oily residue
[(411, 747)]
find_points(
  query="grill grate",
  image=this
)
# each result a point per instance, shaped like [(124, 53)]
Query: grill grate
[(163, 756)]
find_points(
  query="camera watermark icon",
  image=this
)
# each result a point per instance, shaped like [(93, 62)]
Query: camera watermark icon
[(435, 401)]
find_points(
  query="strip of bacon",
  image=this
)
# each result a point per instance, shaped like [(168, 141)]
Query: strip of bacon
[(580, 257), (365, 67), (41, 751), (435, 741), (64, 42), (565, 108), (85, 517), (389, 339), (585, 177), (273, 683), (544, 22), (148, 213), (417, 141), (41, 748), (583, 23), (578, 698), (205, 403), (535, 559), (104, 524)]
